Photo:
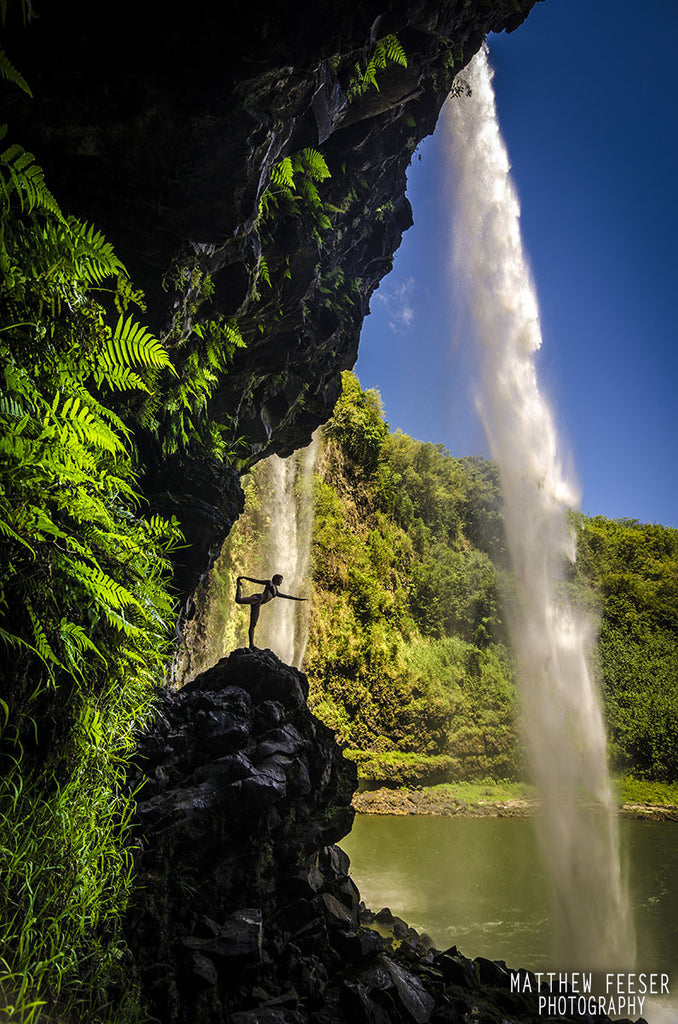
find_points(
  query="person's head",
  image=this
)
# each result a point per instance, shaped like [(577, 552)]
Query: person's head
[(277, 579)]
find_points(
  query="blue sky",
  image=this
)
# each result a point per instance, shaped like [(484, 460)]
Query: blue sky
[(587, 97)]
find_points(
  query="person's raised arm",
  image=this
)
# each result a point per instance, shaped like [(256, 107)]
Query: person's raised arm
[(251, 579), (290, 598)]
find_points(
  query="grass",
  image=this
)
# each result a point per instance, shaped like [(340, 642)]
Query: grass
[(645, 791), (487, 791), (66, 876), (630, 790)]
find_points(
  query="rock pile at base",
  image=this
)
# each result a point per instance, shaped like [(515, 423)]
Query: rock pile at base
[(246, 912)]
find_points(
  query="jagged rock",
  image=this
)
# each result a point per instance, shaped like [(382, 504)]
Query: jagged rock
[(247, 913), (266, 1015), (356, 946), (457, 970), (360, 1007), (493, 972), (336, 914), (239, 935), (204, 969), (407, 992)]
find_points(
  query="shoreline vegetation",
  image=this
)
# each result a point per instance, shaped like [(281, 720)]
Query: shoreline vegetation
[(637, 799)]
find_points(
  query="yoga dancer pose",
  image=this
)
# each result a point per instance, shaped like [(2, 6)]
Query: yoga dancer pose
[(255, 601)]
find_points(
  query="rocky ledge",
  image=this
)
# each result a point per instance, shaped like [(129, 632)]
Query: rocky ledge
[(246, 912)]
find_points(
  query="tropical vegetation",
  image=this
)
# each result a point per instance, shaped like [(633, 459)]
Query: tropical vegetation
[(408, 657)]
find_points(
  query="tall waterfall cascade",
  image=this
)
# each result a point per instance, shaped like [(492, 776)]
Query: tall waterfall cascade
[(563, 726)]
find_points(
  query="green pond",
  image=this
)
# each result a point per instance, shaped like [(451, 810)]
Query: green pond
[(480, 884)]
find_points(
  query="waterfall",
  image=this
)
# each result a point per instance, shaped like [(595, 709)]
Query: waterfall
[(563, 725), (286, 496), (273, 535)]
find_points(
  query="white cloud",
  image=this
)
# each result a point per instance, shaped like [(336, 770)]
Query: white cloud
[(399, 305)]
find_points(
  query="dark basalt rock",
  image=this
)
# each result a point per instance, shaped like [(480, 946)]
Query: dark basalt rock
[(163, 129), (246, 912)]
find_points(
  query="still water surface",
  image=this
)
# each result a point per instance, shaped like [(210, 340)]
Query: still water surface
[(480, 884)]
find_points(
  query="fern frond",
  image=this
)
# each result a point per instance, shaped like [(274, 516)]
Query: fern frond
[(107, 591), (120, 378), (314, 164), (76, 636), (88, 428), (394, 50), (7, 531), (126, 294), (386, 49), (263, 271), (370, 74), (14, 640), (101, 410), (118, 621), (18, 173), (131, 344), (10, 73), (96, 258), (42, 644), (282, 173), (10, 407)]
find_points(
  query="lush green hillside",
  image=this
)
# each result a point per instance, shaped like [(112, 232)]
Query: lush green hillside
[(407, 654)]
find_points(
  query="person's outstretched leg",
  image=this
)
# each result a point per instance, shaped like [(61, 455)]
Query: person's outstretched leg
[(254, 618)]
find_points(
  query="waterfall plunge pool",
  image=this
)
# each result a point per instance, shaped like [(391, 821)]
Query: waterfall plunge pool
[(480, 884)]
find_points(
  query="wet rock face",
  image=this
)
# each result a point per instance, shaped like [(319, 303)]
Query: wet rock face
[(246, 911)]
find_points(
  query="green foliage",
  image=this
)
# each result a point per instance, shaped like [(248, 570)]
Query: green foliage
[(358, 426), (394, 769), (630, 572), (293, 189), (403, 656), (10, 73), (408, 652), (180, 414), (387, 50), (641, 791), (22, 178), (85, 610)]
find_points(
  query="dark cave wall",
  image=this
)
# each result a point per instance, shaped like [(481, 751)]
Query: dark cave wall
[(163, 128)]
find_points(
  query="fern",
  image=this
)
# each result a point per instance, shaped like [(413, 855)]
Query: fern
[(10, 73), (264, 272), (131, 344), (393, 50), (21, 176), (85, 609), (42, 645), (87, 427), (293, 183), (76, 643), (96, 259), (282, 174), (387, 50), (313, 163)]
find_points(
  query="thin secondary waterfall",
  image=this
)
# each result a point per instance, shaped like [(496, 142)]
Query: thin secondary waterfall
[(273, 535), (287, 501), (563, 725)]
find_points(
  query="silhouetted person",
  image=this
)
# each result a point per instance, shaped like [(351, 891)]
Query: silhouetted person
[(255, 601)]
